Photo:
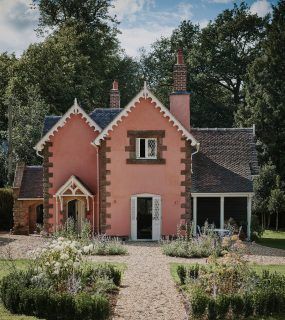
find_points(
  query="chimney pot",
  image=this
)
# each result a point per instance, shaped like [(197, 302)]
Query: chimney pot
[(180, 59), (180, 73), (115, 95)]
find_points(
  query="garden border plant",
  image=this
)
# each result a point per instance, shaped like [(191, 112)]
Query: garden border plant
[(59, 285), (228, 289)]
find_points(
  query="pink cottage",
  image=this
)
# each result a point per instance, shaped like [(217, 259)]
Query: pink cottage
[(136, 172)]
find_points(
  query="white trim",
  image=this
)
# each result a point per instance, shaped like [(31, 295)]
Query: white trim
[(222, 212), (194, 216), (138, 150), (74, 109), (156, 225), (30, 199), (218, 195), (73, 180), (249, 203), (144, 93)]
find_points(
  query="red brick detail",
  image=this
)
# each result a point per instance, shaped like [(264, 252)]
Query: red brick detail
[(187, 214), (47, 185)]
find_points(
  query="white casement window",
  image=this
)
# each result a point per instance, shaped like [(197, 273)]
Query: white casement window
[(146, 148)]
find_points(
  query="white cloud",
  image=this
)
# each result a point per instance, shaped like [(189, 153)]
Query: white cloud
[(261, 8), (17, 24), (134, 38), (128, 9), (185, 10)]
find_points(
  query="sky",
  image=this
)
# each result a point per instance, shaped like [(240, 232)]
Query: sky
[(142, 21)]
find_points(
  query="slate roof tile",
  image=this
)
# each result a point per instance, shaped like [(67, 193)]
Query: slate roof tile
[(102, 116), (32, 182), (226, 161)]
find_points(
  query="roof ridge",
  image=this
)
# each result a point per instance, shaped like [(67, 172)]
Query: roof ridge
[(223, 129)]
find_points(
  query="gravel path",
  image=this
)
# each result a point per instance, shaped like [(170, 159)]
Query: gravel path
[(148, 291)]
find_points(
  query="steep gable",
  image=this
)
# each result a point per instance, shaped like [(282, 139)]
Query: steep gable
[(145, 94)]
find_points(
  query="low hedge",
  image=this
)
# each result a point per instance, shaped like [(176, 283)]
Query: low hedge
[(6, 208), (20, 297)]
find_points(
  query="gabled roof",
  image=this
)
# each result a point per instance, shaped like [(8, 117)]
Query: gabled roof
[(58, 122), (226, 161), (32, 183), (73, 185), (102, 116), (145, 93)]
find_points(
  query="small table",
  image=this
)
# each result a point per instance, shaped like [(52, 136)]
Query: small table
[(223, 232)]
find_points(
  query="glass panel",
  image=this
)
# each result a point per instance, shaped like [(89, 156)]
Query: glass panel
[(151, 152), (142, 148)]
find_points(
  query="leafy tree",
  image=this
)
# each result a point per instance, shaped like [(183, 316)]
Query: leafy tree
[(263, 185), (217, 57), (27, 121), (6, 63), (276, 204), (265, 92)]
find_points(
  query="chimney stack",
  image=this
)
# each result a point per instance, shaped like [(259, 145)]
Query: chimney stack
[(180, 98), (180, 73), (115, 95)]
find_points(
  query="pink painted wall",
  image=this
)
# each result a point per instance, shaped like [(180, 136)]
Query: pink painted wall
[(129, 179), (180, 108), (73, 154)]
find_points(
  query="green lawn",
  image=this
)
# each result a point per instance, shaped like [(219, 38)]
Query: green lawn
[(273, 239)]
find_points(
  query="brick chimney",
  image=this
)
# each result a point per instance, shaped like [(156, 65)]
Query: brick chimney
[(115, 95), (180, 98)]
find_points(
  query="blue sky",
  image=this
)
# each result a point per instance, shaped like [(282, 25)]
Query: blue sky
[(142, 21)]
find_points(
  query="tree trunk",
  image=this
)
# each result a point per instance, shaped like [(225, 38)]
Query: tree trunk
[(268, 222), (10, 147), (276, 221)]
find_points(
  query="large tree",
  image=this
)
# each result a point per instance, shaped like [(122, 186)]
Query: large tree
[(265, 92), (217, 57)]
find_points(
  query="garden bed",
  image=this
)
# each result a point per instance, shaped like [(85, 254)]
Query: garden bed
[(58, 284), (230, 288)]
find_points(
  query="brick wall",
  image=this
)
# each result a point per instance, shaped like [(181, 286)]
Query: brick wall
[(46, 186)]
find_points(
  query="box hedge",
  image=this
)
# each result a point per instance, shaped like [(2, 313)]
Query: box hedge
[(20, 297)]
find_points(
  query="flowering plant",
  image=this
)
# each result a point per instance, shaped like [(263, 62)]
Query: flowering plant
[(57, 261)]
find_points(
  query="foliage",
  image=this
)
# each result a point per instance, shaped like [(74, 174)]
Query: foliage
[(205, 245), (217, 58), (256, 228), (58, 285), (90, 245), (263, 184), (104, 245), (228, 288), (265, 92), (6, 208), (276, 202)]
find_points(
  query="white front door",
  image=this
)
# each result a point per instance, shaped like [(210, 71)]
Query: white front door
[(155, 212)]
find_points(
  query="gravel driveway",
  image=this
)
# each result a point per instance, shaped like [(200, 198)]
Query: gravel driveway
[(148, 291)]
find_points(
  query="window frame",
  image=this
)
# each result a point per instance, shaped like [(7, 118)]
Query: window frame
[(138, 149)]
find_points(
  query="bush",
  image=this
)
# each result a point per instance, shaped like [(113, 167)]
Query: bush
[(6, 208), (228, 289), (103, 246), (19, 296)]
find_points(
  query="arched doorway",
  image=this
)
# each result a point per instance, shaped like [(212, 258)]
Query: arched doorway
[(40, 214), (76, 211)]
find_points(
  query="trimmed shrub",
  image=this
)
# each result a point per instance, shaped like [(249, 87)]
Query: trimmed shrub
[(19, 297), (6, 208), (222, 305), (199, 302)]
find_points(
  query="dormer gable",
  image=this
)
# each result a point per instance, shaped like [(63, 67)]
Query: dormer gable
[(75, 109)]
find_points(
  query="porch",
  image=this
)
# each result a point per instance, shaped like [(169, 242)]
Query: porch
[(217, 208)]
